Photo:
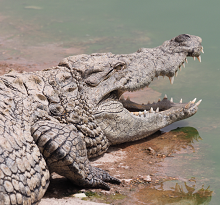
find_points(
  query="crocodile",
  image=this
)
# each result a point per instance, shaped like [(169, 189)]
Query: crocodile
[(56, 119)]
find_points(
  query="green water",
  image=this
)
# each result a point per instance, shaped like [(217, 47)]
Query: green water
[(121, 27)]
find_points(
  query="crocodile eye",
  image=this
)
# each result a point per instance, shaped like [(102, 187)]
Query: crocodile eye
[(120, 66), (181, 38)]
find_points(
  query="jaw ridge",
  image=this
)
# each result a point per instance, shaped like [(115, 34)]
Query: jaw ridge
[(156, 110)]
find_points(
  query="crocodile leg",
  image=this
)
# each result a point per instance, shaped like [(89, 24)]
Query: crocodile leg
[(64, 150), (24, 176)]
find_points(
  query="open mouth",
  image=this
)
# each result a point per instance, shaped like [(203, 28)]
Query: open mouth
[(123, 120), (143, 110)]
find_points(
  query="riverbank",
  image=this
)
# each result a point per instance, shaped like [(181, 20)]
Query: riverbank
[(143, 167)]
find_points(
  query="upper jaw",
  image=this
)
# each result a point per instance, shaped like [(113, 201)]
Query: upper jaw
[(196, 52), (183, 49), (165, 104), (189, 44), (170, 73), (165, 61), (173, 73)]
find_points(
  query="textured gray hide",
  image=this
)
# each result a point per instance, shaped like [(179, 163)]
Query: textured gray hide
[(54, 120)]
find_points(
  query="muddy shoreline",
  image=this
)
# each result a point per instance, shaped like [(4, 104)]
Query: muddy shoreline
[(144, 167)]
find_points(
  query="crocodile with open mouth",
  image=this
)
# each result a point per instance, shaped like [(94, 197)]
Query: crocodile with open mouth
[(56, 119)]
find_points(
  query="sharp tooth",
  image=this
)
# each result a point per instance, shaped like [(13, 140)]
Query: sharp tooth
[(145, 113), (180, 68), (140, 113), (128, 98), (176, 73), (171, 99), (157, 110), (188, 105), (197, 104), (194, 101), (194, 58), (171, 80), (186, 60), (183, 65), (199, 58), (159, 100), (151, 110), (202, 50), (148, 102), (181, 100), (165, 96)]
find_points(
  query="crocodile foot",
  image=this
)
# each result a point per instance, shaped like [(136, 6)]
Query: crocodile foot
[(97, 178)]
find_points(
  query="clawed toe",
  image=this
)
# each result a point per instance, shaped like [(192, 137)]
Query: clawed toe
[(97, 178), (104, 176), (112, 180), (115, 180)]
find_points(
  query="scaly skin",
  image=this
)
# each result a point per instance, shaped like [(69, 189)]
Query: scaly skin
[(54, 120)]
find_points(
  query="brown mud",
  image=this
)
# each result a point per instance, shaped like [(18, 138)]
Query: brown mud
[(17, 55)]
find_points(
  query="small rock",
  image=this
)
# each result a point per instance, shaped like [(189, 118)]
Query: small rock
[(125, 167), (79, 195), (111, 168), (126, 181), (147, 178), (150, 151), (105, 192)]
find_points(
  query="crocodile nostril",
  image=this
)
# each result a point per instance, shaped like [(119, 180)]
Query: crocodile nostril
[(182, 38)]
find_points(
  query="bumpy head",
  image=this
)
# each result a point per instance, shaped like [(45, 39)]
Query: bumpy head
[(164, 60), (105, 77)]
